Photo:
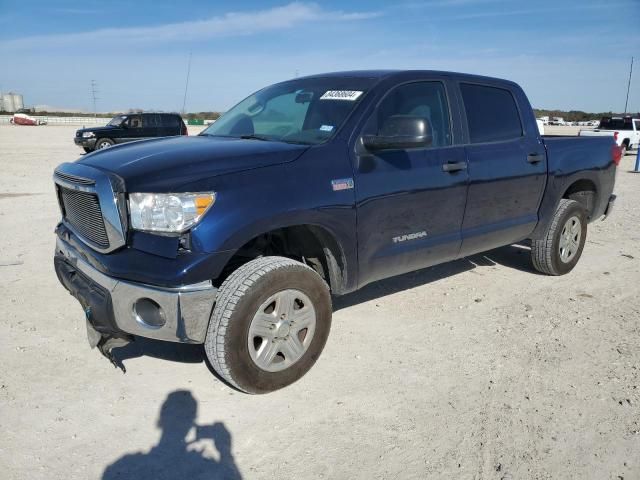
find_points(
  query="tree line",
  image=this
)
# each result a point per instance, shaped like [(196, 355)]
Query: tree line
[(579, 115)]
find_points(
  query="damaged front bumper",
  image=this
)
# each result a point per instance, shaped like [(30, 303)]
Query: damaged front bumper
[(117, 309)]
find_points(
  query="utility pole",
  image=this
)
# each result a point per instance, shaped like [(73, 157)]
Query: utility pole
[(186, 86), (94, 93), (626, 102)]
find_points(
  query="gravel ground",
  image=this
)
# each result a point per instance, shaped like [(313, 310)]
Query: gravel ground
[(479, 368)]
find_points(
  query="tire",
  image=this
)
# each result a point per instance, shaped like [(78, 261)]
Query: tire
[(103, 143), (87, 149), (253, 326), (559, 251)]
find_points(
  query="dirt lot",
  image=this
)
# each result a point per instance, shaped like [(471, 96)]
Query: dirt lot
[(480, 368)]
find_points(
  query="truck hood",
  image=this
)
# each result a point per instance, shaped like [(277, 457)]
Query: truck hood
[(106, 128), (162, 165)]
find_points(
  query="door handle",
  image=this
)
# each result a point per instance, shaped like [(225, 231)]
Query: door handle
[(454, 167), (535, 157)]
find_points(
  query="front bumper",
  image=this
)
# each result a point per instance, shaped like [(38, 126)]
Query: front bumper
[(115, 307), (85, 142)]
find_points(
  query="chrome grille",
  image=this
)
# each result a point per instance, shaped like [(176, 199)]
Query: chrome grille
[(74, 179), (82, 211)]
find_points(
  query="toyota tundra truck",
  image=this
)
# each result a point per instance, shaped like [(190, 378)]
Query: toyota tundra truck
[(239, 238)]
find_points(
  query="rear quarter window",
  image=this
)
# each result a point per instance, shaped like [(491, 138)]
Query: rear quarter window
[(615, 124), (492, 113), (170, 121)]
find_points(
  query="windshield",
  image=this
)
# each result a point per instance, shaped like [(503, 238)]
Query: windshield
[(116, 121), (307, 111)]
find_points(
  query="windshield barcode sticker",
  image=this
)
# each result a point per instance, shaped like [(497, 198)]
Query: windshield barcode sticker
[(349, 95)]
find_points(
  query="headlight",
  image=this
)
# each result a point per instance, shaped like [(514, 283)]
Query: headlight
[(88, 134), (168, 212)]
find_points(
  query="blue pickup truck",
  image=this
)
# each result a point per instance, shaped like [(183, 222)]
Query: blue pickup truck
[(239, 237)]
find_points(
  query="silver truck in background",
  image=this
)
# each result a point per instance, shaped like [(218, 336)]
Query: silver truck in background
[(625, 131)]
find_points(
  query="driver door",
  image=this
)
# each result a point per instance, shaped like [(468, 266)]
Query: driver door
[(410, 203), (135, 128)]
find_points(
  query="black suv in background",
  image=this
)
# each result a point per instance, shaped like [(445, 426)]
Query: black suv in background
[(130, 127)]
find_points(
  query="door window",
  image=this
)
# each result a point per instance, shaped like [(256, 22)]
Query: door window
[(170, 121), (134, 121), (492, 114), (150, 120), (427, 100)]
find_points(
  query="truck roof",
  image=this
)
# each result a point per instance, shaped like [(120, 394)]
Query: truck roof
[(381, 74)]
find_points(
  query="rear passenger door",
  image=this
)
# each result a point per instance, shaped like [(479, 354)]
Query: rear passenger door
[(410, 203), (151, 125), (507, 169)]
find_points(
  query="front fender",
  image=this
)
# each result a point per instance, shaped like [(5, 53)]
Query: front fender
[(255, 202)]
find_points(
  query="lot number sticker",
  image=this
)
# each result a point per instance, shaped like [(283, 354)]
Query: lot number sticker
[(349, 95)]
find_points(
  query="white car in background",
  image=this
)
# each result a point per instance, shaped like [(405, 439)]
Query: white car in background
[(625, 131), (557, 121)]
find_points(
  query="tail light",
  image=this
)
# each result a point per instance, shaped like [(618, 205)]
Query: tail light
[(186, 132), (616, 154), (615, 136)]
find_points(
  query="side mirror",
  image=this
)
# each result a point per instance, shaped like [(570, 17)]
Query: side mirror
[(400, 132)]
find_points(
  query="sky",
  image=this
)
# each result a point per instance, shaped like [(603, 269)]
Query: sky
[(565, 54)]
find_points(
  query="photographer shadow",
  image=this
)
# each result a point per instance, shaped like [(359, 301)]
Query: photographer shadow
[(174, 456)]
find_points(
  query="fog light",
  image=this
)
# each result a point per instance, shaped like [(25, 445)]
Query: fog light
[(149, 313)]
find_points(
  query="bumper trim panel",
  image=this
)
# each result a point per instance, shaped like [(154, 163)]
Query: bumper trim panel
[(186, 309)]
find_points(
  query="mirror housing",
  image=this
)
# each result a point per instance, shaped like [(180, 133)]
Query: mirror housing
[(400, 132)]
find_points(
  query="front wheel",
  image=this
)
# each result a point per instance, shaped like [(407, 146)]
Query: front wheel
[(559, 251), (104, 143), (270, 324)]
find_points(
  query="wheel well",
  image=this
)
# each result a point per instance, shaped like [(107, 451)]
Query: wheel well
[(585, 192), (309, 244)]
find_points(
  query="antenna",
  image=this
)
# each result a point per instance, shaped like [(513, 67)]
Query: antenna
[(94, 93), (626, 102), (186, 86)]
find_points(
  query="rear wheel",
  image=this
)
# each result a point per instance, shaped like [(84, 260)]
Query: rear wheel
[(104, 143), (559, 251), (269, 325)]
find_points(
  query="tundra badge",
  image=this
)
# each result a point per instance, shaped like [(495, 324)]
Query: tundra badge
[(409, 236)]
